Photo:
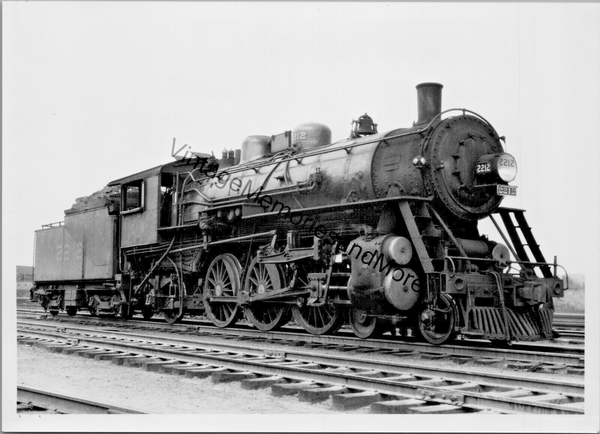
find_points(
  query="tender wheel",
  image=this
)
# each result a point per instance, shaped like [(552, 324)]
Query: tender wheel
[(318, 320), (54, 312), (147, 312), (71, 310), (262, 278), (437, 325), (222, 280), (364, 326), (172, 316)]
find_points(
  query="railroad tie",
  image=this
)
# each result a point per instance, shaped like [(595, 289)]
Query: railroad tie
[(228, 376), (91, 353), (575, 370), (320, 393), (369, 374), (261, 382), (137, 361), (203, 372), (350, 401), (436, 409), (404, 378), (291, 388), (516, 393), (486, 361), (49, 345), (544, 397), (56, 348), (432, 382), (465, 386), (401, 406), (120, 360), (179, 369), (157, 365), (108, 355), (74, 350)]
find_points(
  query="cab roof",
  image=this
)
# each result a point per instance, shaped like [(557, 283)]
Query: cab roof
[(137, 176), (171, 167)]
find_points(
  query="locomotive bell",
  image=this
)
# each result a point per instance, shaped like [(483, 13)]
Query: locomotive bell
[(364, 126)]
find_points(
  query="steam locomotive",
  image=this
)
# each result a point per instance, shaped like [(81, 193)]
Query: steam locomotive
[(378, 231)]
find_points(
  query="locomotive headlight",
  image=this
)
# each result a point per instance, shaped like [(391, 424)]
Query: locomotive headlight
[(507, 167), (502, 166)]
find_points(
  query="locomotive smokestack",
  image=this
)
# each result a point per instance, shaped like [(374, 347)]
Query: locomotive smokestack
[(429, 100)]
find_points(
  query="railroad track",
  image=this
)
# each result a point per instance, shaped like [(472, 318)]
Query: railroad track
[(570, 325), (564, 322), (31, 400), (350, 381), (562, 354)]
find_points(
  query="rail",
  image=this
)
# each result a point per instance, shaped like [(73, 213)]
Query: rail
[(66, 403)]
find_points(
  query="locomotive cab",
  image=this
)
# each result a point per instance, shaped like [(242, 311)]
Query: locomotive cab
[(139, 207), (150, 220)]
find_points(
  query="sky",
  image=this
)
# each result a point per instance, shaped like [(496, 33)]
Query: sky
[(94, 91)]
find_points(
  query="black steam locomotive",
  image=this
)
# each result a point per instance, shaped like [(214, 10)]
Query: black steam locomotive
[(379, 231)]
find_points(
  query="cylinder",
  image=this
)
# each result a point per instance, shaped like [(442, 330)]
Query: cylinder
[(429, 101)]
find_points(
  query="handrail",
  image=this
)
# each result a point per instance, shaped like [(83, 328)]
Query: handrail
[(341, 147), (535, 264), (52, 225), (140, 286)]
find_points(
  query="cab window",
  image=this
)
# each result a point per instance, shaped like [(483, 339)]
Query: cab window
[(133, 197), (166, 199)]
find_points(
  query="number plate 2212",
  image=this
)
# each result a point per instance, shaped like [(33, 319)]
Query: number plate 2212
[(506, 190)]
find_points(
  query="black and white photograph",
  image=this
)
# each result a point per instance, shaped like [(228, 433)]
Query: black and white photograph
[(300, 216)]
